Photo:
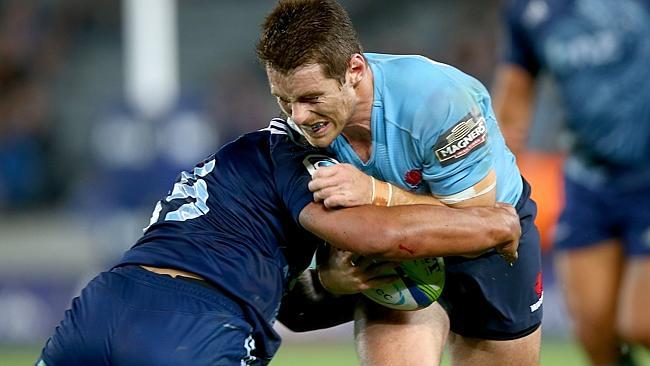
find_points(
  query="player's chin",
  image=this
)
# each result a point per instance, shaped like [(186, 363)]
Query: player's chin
[(321, 142)]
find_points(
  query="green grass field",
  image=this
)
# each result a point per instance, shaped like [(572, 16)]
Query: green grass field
[(554, 353)]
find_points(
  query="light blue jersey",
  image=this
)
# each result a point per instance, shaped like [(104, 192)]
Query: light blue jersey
[(433, 130)]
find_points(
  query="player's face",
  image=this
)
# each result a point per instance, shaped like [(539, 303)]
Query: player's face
[(319, 106)]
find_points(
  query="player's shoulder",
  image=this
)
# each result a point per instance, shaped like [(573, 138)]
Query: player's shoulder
[(411, 70), (252, 148), (417, 91), (419, 80), (399, 60), (276, 132), (276, 127), (282, 132), (287, 145)]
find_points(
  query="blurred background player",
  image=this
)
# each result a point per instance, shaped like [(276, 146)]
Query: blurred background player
[(597, 52), (426, 128)]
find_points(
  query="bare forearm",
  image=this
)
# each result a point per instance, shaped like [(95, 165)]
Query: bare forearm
[(484, 195), (404, 197), (415, 231)]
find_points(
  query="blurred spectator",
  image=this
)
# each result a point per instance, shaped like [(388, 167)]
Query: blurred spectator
[(27, 175)]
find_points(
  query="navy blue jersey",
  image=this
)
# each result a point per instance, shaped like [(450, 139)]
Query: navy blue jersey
[(234, 221), (598, 52)]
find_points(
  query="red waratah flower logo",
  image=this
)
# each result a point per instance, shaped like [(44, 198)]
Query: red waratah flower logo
[(413, 177), (539, 287)]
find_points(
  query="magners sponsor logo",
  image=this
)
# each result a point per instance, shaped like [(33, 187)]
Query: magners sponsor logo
[(467, 135)]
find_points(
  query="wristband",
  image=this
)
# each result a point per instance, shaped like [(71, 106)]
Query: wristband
[(383, 194)]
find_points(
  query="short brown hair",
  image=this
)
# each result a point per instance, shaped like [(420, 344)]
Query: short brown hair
[(302, 32)]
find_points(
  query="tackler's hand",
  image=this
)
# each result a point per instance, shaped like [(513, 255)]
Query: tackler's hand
[(341, 185), (508, 248), (347, 273)]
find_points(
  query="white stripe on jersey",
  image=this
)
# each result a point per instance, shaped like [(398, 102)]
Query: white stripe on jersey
[(276, 127)]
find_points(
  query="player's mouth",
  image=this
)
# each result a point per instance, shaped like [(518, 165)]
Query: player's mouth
[(317, 129)]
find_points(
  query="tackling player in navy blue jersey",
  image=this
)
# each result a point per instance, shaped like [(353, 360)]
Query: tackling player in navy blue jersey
[(596, 52), (204, 284)]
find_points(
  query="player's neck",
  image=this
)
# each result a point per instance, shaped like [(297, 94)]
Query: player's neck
[(357, 131), (360, 139)]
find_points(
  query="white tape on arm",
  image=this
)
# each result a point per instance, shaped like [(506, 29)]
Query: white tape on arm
[(465, 195)]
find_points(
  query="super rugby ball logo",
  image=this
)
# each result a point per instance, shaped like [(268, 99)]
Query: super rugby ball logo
[(315, 161), (456, 143)]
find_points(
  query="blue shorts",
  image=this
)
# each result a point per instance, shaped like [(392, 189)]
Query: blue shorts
[(486, 298), (591, 216), (130, 316)]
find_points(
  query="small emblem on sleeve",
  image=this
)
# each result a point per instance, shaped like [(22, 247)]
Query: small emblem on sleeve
[(315, 161), (456, 143), (413, 178)]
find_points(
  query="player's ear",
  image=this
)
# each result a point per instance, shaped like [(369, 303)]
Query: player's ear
[(357, 68)]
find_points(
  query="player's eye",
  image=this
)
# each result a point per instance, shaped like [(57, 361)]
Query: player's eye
[(283, 103)]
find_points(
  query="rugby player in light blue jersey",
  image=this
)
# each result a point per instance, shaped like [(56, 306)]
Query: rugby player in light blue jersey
[(204, 283), (412, 131), (598, 53)]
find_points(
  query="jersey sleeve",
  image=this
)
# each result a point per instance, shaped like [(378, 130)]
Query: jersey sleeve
[(293, 166), (518, 48), (455, 140)]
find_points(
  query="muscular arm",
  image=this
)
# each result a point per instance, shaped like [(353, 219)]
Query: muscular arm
[(413, 231), (404, 197), (513, 97), (343, 185)]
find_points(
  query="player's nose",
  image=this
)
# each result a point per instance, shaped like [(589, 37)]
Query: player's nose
[(299, 112)]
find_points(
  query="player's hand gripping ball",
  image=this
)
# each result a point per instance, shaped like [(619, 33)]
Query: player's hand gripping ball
[(420, 284)]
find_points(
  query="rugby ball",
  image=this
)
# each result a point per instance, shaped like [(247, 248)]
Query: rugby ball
[(419, 285)]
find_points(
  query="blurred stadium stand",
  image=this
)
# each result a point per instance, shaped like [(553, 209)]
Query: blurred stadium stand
[(80, 167)]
